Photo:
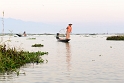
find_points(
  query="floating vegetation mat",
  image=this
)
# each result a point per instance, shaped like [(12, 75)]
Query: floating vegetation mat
[(11, 59), (115, 38), (31, 38), (37, 45)]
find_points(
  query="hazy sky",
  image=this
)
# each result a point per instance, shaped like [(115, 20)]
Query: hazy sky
[(84, 14)]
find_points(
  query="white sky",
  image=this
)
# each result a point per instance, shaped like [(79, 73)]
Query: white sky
[(63, 10)]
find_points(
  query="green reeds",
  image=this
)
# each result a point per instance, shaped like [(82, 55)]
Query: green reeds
[(11, 59), (115, 38)]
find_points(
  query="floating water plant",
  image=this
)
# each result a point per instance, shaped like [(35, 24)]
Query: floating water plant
[(11, 59), (115, 38), (37, 45), (31, 38)]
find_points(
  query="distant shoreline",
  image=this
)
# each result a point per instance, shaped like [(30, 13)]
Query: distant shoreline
[(71, 34)]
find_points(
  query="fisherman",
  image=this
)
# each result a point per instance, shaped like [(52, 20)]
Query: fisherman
[(57, 36), (68, 31), (24, 33)]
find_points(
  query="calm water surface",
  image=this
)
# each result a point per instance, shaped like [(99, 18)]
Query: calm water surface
[(90, 59)]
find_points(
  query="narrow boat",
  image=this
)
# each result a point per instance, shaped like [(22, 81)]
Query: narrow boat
[(22, 35), (19, 35), (61, 39)]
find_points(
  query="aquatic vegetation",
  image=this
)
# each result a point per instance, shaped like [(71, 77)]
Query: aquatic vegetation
[(93, 34), (11, 59), (31, 38), (115, 38), (37, 45)]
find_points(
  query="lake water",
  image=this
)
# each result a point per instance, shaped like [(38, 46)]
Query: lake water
[(85, 59)]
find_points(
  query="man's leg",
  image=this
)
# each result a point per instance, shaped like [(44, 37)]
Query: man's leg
[(67, 35)]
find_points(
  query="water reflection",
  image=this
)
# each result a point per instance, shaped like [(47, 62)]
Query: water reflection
[(68, 56)]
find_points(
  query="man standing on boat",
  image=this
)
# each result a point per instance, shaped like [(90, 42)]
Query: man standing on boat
[(24, 34), (68, 31)]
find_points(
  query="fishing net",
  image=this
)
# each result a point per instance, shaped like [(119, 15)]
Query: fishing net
[(62, 33)]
